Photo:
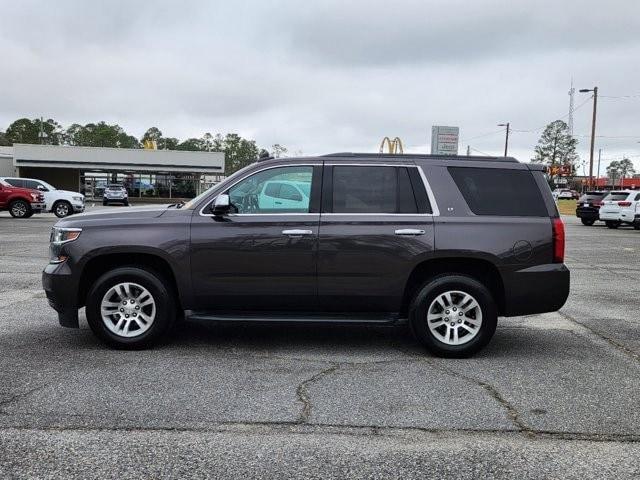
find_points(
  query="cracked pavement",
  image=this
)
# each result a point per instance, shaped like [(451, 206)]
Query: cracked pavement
[(553, 395)]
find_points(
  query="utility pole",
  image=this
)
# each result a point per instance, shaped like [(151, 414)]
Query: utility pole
[(593, 129), (468, 150), (572, 91), (599, 155), (506, 138)]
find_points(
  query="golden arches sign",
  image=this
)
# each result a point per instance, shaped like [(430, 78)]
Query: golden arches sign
[(394, 146)]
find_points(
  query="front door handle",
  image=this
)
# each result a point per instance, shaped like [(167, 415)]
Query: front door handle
[(410, 231), (297, 233)]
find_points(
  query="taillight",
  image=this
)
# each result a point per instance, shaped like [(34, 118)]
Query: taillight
[(624, 204), (597, 204), (558, 240)]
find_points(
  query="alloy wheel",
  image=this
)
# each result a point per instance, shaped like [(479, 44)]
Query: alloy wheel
[(19, 209), (62, 209), (454, 317), (128, 309)]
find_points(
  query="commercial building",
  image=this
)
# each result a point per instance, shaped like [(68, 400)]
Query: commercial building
[(145, 173)]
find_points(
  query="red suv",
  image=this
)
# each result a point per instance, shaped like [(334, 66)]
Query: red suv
[(21, 202)]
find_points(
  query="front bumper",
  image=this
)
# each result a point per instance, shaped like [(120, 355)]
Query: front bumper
[(539, 289), (38, 207), (61, 290), (78, 208)]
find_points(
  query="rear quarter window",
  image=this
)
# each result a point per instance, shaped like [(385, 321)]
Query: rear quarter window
[(502, 192)]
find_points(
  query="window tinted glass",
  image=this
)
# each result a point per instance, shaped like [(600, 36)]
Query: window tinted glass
[(494, 191), (15, 182), (31, 184), (637, 197), (616, 196), (364, 189), (276, 190)]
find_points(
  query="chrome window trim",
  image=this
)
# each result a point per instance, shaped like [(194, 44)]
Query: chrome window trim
[(286, 165), (435, 212)]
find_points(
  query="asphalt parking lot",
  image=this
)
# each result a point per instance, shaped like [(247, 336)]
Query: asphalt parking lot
[(555, 395)]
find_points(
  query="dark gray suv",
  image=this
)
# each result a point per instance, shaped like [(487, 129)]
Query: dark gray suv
[(446, 244)]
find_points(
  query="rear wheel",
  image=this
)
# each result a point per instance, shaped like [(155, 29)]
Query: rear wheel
[(104, 203), (612, 224), (453, 316), (588, 221), (62, 209), (20, 209), (126, 203), (130, 308)]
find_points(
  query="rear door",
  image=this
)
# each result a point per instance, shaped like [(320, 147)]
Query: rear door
[(376, 224)]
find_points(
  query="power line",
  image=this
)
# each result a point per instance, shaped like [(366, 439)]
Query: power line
[(558, 118)]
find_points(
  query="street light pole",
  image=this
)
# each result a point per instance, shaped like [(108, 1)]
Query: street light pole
[(506, 138), (593, 130)]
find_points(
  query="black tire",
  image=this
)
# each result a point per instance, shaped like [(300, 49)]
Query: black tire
[(612, 224), (126, 203), (428, 294), (104, 203), (165, 310), (636, 226), (20, 209), (62, 209), (588, 221)]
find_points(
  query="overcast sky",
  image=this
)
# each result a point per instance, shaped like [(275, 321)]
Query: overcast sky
[(323, 76)]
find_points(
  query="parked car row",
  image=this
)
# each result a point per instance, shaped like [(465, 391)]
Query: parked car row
[(60, 202), (615, 208)]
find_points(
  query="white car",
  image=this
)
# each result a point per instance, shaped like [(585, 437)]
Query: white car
[(61, 202), (563, 194), (621, 206)]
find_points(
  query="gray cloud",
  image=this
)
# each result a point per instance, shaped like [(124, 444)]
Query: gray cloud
[(326, 76)]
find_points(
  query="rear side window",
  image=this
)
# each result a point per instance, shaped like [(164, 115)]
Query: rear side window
[(15, 182), (374, 189), (495, 191)]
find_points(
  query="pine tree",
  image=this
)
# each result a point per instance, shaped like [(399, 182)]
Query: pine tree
[(556, 148)]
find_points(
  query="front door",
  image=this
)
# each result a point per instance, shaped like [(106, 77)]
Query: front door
[(376, 225), (263, 255)]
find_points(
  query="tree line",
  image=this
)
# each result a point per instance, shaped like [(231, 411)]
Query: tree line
[(239, 151)]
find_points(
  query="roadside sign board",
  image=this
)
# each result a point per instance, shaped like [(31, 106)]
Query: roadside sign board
[(444, 140)]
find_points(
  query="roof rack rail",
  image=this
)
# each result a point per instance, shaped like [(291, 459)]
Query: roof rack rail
[(422, 156)]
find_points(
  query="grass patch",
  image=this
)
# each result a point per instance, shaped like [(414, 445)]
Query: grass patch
[(566, 207)]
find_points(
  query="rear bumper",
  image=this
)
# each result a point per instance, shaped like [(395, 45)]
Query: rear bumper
[(539, 289), (611, 216), (588, 213), (61, 290)]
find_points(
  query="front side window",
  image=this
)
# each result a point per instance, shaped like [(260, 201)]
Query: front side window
[(275, 190)]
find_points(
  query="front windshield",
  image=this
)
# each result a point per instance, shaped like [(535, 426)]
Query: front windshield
[(194, 201), (48, 186)]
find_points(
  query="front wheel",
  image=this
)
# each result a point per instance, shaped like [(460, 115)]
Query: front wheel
[(20, 209), (130, 308), (62, 209), (587, 221), (453, 315)]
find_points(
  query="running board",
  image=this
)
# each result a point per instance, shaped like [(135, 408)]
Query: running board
[(286, 317)]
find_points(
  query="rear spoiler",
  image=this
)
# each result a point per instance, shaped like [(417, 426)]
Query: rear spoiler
[(537, 167)]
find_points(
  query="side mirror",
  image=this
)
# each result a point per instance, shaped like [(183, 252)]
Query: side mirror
[(221, 205), (42, 188)]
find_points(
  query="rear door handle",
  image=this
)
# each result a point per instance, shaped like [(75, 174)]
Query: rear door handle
[(410, 231), (297, 233)]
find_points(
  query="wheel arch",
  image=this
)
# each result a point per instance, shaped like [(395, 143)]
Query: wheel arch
[(102, 263), (480, 269)]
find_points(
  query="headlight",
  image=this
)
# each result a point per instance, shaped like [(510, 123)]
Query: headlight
[(61, 235), (77, 199)]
